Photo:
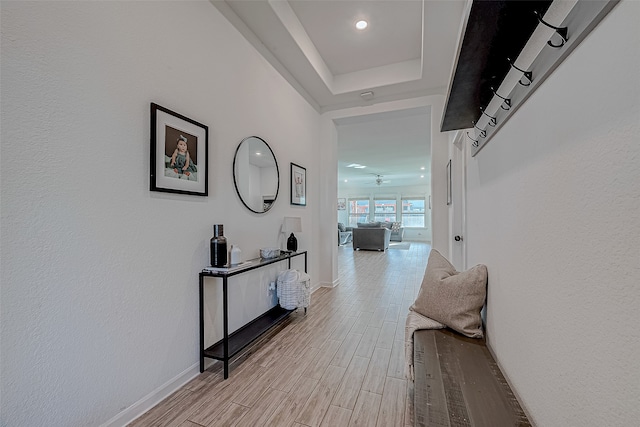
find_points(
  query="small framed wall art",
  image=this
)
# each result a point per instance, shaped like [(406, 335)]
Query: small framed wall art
[(342, 204), (179, 153), (298, 185)]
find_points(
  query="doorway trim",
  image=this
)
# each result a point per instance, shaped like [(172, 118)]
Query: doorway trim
[(458, 209)]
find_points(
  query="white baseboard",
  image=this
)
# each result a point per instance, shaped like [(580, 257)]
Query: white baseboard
[(152, 399), (330, 284)]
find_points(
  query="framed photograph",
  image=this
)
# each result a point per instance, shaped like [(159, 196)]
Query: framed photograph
[(298, 185), (179, 153), (342, 204), (449, 182)]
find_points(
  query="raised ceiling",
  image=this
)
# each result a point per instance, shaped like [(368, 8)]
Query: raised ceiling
[(407, 50), (393, 145)]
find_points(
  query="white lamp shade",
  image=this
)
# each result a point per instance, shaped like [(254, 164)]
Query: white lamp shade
[(292, 224)]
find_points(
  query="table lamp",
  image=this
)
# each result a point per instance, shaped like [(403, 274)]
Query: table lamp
[(290, 225)]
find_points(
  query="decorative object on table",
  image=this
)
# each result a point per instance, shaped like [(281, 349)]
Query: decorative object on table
[(229, 269), (255, 162), (298, 185), (218, 247), (342, 204), (235, 255), (179, 153), (267, 253), (292, 225)]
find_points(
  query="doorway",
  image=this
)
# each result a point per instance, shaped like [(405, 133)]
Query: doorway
[(384, 167), (457, 207)]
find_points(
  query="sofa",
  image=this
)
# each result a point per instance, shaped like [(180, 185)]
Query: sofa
[(397, 231), (371, 238)]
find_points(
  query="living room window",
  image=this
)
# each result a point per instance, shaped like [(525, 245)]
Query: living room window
[(413, 212), (358, 211), (385, 210)]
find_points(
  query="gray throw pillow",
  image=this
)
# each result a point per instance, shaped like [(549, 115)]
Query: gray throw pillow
[(341, 227), (451, 297)]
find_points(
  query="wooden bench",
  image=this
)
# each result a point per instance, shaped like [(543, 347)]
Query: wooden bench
[(457, 383)]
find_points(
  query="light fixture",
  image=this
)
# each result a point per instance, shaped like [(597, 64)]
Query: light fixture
[(356, 166), (292, 224), (367, 96), (362, 24)]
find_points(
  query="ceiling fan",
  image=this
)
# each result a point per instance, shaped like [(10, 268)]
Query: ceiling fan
[(379, 180)]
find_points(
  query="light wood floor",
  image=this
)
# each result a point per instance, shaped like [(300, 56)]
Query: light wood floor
[(340, 365)]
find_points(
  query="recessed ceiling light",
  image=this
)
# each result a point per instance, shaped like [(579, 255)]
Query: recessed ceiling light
[(422, 168), (421, 176), (361, 25), (346, 180), (360, 167)]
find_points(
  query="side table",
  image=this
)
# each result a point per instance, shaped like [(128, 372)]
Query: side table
[(232, 344)]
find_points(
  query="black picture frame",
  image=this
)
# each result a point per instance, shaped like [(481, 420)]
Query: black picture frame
[(449, 182), (298, 185), (184, 173)]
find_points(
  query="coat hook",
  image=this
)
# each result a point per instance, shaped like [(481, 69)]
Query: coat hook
[(475, 141), (483, 132), (493, 121), (506, 101), (562, 31), (527, 74)]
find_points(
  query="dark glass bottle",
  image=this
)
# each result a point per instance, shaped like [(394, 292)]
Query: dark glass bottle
[(218, 247)]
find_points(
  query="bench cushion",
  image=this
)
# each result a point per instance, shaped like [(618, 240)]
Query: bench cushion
[(451, 297)]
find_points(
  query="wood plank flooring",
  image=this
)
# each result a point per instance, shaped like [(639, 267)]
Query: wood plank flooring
[(340, 365)]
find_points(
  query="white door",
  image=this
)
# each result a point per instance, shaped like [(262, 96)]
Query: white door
[(457, 209)]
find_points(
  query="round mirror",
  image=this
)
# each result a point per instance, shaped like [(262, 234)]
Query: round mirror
[(255, 174)]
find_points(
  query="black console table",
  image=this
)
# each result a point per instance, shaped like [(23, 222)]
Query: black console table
[(232, 344)]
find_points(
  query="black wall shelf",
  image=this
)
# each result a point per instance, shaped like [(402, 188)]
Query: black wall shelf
[(496, 30), (487, 86)]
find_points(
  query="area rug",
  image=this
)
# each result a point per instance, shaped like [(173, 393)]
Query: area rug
[(400, 245)]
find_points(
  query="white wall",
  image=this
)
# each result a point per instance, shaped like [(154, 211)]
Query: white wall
[(99, 275), (554, 212)]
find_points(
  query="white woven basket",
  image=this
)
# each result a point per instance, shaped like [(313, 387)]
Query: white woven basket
[(294, 289)]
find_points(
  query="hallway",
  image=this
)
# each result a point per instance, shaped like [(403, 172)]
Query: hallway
[(340, 365)]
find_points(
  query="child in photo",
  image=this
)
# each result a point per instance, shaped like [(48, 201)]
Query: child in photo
[(180, 160)]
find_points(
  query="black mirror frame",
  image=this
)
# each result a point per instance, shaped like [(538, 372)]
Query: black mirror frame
[(235, 183)]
